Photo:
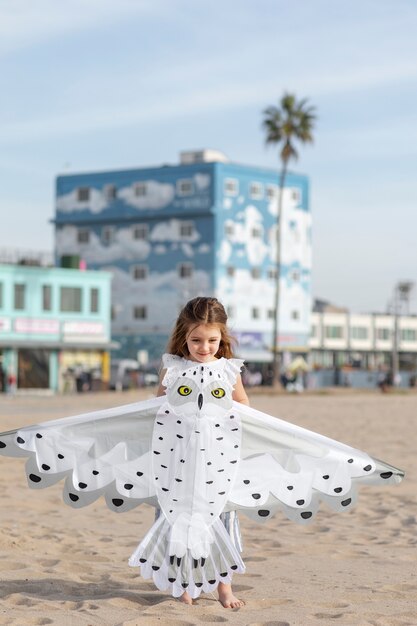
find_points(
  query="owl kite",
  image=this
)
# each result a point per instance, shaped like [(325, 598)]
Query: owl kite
[(194, 454)]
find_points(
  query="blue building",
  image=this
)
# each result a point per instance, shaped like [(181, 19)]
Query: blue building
[(54, 327), (205, 226)]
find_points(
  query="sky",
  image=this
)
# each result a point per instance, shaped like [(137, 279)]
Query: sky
[(92, 85)]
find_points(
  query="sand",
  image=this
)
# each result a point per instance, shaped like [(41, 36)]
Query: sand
[(69, 567)]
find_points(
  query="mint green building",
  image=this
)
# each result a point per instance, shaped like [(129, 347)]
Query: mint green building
[(54, 328)]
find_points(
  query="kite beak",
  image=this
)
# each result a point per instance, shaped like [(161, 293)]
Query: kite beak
[(200, 400)]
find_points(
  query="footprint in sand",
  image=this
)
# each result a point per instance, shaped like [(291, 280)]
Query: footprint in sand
[(211, 619)]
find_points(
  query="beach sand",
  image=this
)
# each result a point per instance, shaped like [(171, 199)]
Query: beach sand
[(69, 567)]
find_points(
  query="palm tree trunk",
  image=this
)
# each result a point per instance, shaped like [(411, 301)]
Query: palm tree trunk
[(276, 363)]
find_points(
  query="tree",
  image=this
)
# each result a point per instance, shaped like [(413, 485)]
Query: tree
[(291, 121)]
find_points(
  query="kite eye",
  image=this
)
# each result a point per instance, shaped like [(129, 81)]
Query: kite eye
[(184, 390), (218, 393)]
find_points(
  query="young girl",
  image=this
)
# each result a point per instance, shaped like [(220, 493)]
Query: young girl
[(198, 454), (201, 335)]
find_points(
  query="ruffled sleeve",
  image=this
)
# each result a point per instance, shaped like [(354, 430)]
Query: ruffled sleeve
[(232, 369), (172, 364)]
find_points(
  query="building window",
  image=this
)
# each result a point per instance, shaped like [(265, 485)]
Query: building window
[(229, 229), (296, 195), (140, 312), (141, 231), (313, 332), (140, 272), (270, 314), (256, 232), (359, 332), (71, 299), (185, 270), (231, 187), (186, 229), (19, 296), (333, 332), (112, 312), (383, 334), (272, 192), (295, 275), (272, 273), (107, 235), (110, 192), (83, 235), (295, 315), (408, 334), (256, 191), (140, 190), (255, 313), (83, 194), (47, 297), (255, 272), (94, 300), (184, 187), (230, 271)]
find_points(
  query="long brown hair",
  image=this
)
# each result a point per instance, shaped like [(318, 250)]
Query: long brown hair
[(201, 311)]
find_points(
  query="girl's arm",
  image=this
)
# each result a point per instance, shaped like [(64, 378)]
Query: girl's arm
[(239, 393)]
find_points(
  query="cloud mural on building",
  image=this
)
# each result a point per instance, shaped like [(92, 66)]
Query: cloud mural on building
[(69, 203), (170, 230), (123, 246), (202, 181), (156, 195)]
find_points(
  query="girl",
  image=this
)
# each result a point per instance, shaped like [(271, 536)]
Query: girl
[(200, 335)]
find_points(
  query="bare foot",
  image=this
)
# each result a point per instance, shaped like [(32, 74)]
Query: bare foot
[(227, 598), (186, 598)]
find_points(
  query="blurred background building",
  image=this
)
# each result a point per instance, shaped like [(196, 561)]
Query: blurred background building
[(54, 325), (204, 226)]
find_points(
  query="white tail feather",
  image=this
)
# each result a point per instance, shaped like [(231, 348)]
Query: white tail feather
[(190, 556)]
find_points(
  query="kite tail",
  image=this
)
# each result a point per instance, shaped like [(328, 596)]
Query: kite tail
[(187, 556)]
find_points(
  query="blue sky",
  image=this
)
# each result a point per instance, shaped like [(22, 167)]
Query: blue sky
[(104, 84)]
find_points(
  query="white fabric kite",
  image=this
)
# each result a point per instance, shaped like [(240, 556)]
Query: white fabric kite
[(194, 453)]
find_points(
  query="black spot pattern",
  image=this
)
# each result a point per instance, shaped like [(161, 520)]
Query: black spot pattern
[(338, 489), (263, 512), (290, 487), (306, 514), (367, 468), (2, 444), (82, 485), (20, 440), (139, 473), (34, 478), (45, 467), (346, 502), (61, 456), (350, 460), (128, 486), (256, 496), (386, 475), (300, 502), (95, 473), (73, 497), (246, 481), (326, 477), (117, 501), (39, 436)]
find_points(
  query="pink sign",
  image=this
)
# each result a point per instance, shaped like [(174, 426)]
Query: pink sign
[(32, 326), (83, 328)]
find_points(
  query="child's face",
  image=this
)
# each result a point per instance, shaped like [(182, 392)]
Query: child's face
[(203, 342)]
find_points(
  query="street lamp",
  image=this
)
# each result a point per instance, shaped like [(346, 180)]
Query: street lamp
[(400, 305)]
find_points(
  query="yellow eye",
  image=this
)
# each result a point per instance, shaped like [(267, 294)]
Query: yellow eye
[(184, 390), (218, 393)]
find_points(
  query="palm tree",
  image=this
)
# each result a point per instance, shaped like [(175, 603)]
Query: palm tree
[(290, 121)]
